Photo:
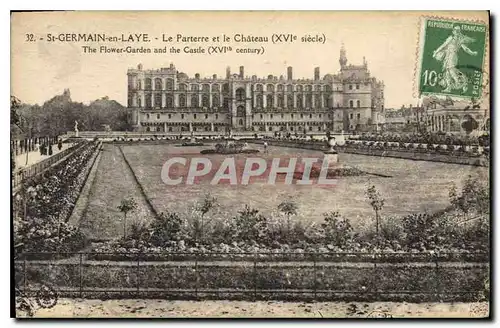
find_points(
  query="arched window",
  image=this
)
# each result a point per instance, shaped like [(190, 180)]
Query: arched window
[(281, 101), (148, 100), (308, 100), (289, 88), (157, 100), (148, 129), (182, 101), (240, 111), (195, 87), (317, 87), (215, 101), (240, 94), (170, 84), (158, 84), (170, 102), (260, 101), (147, 116), (328, 88), (139, 101), (269, 101), (226, 102), (317, 101), (299, 101), (225, 87), (215, 88), (299, 88), (309, 88), (280, 87), (358, 103), (351, 103), (289, 101), (194, 101), (205, 101), (259, 87), (182, 87), (206, 88), (327, 100), (139, 85), (147, 83), (158, 129), (270, 88)]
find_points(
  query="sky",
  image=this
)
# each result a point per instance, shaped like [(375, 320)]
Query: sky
[(389, 41)]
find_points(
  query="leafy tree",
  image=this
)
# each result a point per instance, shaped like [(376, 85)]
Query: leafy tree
[(470, 125), (204, 207), (473, 197), (127, 205), (250, 225), (14, 120), (289, 208), (377, 203), (338, 230)]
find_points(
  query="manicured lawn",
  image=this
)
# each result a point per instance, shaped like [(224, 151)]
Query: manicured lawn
[(413, 186), (113, 182)]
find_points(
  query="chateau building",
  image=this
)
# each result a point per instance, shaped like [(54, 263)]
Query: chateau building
[(166, 100)]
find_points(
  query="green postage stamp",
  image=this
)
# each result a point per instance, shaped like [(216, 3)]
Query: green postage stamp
[(452, 54)]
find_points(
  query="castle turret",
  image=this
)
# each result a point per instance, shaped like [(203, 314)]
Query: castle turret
[(343, 57)]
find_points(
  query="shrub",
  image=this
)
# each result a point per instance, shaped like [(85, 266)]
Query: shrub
[(139, 231), (473, 197), (165, 228), (391, 229), (424, 232), (338, 230), (250, 225)]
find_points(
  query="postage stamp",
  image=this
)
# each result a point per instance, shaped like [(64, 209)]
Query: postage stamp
[(452, 55)]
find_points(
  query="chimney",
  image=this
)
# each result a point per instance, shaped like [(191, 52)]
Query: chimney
[(290, 73), (242, 72), (316, 74), (215, 76), (228, 72), (197, 76)]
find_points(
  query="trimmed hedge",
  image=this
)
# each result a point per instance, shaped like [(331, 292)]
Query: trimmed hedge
[(360, 281)]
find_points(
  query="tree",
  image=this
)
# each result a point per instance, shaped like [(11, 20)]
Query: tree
[(14, 120), (289, 208), (474, 196), (377, 203), (470, 125), (204, 207), (127, 205)]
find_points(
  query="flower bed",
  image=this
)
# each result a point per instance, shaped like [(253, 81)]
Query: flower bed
[(45, 203), (230, 148), (429, 138)]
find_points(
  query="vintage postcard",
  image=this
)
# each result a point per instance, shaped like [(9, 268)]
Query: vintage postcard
[(274, 164)]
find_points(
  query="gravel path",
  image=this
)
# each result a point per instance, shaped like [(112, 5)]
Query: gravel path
[(228, 309)]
